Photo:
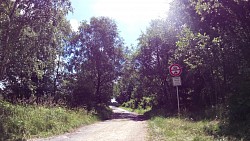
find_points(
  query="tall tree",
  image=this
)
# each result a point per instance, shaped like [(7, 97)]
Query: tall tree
[(32, 35), (96, 60), (156, 48)]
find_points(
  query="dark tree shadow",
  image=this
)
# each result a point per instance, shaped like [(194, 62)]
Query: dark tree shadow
[(129, 116)]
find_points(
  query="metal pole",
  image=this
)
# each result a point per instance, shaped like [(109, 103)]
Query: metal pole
[(178, 100)]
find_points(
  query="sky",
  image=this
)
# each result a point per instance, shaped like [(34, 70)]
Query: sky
[(132, 16)]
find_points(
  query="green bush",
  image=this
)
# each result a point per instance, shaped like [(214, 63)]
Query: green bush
[(144, 103), (142, 107), (129, 104), (103, 112)]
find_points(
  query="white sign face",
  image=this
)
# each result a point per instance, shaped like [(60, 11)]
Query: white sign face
[(176, 81), (175, 70)]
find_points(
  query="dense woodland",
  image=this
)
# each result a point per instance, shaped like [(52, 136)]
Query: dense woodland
[(42, 61)]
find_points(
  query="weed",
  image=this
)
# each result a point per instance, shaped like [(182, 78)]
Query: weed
[(177, 129), (20, 122)]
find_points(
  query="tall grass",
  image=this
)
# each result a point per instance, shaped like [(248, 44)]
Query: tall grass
[(177, 129), (19, 122)]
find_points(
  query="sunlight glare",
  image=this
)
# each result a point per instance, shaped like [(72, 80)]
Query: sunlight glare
[(131, 11), (74, 24), (131, 16)]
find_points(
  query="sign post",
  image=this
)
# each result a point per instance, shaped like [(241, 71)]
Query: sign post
[(175, 70)]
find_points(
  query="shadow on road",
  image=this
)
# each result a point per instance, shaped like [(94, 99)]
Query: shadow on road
[(129, 116)]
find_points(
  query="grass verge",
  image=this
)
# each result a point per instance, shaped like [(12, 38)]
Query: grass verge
[(19, 122), (177, 129), (165, 126)]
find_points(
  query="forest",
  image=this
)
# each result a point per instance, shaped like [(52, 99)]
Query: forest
[(44, 62)]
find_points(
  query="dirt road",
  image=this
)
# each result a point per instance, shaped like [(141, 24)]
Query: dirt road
[(124, 126)]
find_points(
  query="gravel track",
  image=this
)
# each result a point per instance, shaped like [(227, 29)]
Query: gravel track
[(124, 126)]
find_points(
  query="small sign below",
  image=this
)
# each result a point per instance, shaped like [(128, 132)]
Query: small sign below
[(176, 81)]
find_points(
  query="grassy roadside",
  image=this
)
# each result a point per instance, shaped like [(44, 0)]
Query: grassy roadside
[(164, 127), (178, 129), (167, 128), (19, 122)]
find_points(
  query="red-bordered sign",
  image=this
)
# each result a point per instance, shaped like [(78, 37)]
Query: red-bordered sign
[(175, 70)]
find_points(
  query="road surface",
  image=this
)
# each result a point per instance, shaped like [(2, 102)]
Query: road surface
[(124, 126)]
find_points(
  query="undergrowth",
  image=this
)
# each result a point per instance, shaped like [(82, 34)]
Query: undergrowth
[(141, 107), (19, 122), (177, 129), (165, 126)]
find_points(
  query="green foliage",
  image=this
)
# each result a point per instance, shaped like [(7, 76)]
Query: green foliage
[(103, 112), (144, 103), (95, 59), (172, 129), (19, 122), (189, 126), (239, 102), (124, 88), (155, 50), (143, 106), (238, 124), (129, 104), (31, 44), (210, 40), (43, 61)]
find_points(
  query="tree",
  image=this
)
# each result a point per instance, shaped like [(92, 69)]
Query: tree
[(32, 35), (128, 81), (209, 39), (156, 48), (96, 60)]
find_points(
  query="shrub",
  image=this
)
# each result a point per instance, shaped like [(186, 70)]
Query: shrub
[(18, 122)]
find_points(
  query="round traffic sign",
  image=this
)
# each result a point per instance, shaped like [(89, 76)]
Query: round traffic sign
[(175, 70)]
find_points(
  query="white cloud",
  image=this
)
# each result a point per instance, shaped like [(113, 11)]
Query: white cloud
[(132, 11), (74, 24), (132, 15)]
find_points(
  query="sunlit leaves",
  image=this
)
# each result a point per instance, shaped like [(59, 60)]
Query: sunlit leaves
[(193, 46), (95, 56), (32, 35)]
